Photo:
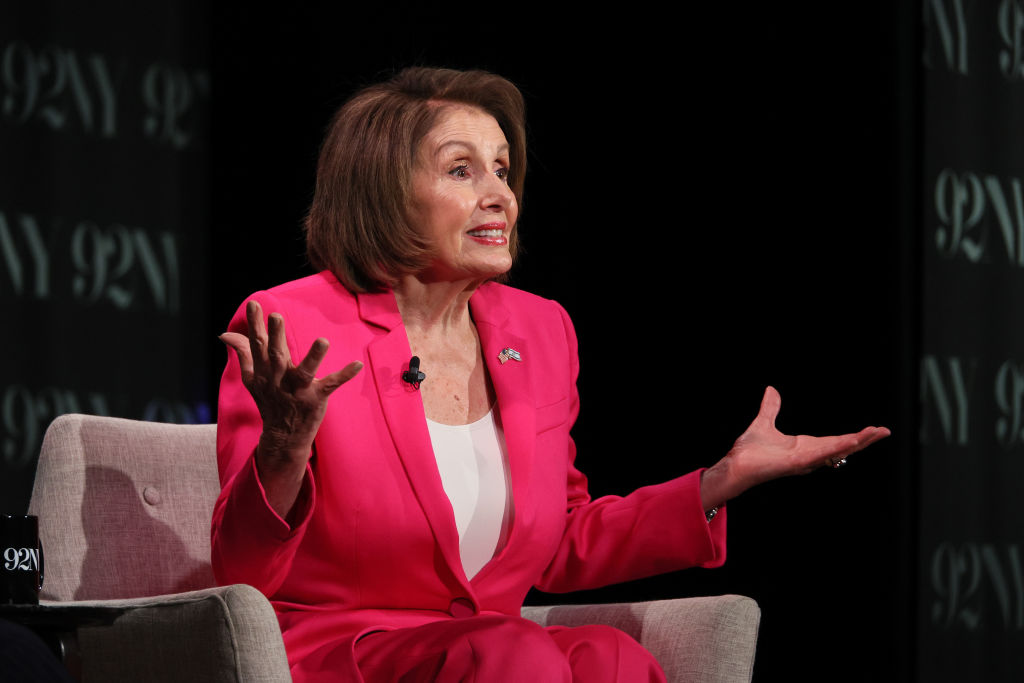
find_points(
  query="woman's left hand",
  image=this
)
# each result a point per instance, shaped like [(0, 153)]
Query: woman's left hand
[(763, 453)]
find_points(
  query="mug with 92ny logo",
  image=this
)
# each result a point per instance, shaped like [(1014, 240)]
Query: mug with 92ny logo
[(21, 560)]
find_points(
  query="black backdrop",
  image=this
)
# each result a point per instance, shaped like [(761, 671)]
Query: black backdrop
[(722, 198)]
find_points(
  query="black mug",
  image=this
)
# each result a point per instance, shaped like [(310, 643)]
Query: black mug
[(21, 560)]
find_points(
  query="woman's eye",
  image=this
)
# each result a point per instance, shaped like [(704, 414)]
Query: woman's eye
[(502, 173), (460, 171)]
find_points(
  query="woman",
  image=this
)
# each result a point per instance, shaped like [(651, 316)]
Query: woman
[(398, 527)]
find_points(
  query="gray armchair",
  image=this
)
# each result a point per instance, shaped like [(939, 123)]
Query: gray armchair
[(124, 513)]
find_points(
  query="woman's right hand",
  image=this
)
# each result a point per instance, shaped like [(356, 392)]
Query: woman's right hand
[(292, 401)]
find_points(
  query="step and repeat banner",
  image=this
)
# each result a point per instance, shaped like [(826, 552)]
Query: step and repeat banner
[(104, 220), (971, 564)]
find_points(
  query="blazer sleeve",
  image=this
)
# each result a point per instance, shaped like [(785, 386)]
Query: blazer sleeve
[(655, 529), (250, 542)]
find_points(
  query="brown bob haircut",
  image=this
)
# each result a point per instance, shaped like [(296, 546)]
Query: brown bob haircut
[(357, 226)]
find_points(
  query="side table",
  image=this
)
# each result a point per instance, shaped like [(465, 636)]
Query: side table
[(58, 623)]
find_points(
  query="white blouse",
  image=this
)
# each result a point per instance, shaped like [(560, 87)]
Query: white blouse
[(473, 462)]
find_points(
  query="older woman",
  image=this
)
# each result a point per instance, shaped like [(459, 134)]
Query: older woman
[(398, 527)]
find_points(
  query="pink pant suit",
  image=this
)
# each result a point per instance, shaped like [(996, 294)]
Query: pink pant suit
[(368, 583)]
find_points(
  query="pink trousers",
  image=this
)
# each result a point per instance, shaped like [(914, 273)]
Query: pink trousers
[(499, 648)]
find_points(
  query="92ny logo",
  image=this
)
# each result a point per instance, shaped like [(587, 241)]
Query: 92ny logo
[(21, 559)]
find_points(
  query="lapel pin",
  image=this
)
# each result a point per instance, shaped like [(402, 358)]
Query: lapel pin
[(507, 353)]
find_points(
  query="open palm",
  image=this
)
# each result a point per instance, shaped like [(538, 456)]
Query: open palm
[(763, 453)]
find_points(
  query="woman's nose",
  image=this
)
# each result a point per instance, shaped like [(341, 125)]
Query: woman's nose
[(496, 193)]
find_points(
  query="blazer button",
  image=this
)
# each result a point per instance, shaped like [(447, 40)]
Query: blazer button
[(461, 607)]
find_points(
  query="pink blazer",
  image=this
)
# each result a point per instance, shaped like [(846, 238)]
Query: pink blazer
[(374, 545)]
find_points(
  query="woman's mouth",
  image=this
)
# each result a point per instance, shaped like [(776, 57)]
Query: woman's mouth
[(493, 235)]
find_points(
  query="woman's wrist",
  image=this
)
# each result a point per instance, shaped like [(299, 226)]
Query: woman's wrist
[(281, 449), (718, 485), (281, 476)]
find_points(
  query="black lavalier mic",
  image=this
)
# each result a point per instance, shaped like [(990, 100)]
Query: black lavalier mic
[(413, 375)]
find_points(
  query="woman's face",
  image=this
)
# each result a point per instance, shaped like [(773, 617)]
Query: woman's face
[(461, 199)]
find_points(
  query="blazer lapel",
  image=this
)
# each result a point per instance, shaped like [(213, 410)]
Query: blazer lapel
[(512, 385), (403, 410)]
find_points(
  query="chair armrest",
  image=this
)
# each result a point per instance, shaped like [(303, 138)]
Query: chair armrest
[(229, 633), (710, 639)]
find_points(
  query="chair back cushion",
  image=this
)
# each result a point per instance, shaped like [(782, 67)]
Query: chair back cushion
[(124, 507)]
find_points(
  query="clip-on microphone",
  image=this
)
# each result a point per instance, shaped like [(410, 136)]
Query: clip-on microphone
[(413, 375)]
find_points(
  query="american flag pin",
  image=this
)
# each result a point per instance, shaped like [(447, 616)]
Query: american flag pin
[(507, 353)]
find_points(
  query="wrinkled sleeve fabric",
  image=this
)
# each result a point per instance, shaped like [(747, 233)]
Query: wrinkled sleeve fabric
[(250, 542), (655, 529)]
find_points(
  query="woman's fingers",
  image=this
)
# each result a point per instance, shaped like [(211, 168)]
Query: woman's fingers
[(865, 438), (277, 348), (305, 372), (771, 402), (815, 450), (257, 337), (240, 344), (265, 353), (834, 448), (334, 380), (862, 439)]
